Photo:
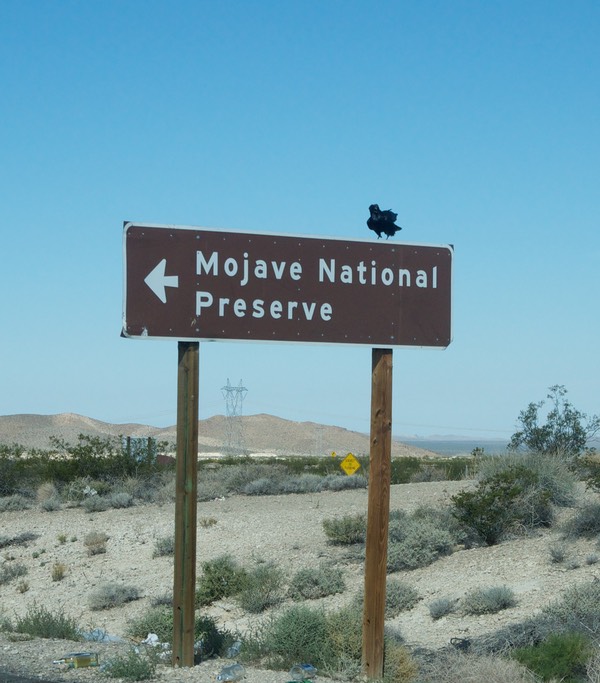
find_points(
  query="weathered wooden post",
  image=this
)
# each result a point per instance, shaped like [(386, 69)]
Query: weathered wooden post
[(378, 513), (184, 582)]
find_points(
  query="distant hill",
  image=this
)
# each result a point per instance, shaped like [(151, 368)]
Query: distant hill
[(261, 434)]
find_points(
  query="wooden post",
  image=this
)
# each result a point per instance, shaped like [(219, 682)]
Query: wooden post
[(378, 513), (184, 582)]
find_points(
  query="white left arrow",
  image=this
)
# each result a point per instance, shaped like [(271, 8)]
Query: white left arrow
[(158, 281)]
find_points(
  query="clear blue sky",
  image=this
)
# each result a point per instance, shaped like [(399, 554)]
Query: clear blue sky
[(478, 122)]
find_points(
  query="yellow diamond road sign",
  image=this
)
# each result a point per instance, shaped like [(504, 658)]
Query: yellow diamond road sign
[(350, 464)]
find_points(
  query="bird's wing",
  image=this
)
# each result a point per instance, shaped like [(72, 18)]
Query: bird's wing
[(389, 215)]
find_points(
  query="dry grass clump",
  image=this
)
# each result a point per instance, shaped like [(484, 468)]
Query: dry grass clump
[(10, 571), (95, 542), (164, 546), (111, 595), (59, 571), (13, 503), (468, 668)]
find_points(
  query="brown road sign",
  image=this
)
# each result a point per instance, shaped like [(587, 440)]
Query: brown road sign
[(204, 284)]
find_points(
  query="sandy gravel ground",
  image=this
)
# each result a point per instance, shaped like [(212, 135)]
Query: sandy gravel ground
[(285, 529)]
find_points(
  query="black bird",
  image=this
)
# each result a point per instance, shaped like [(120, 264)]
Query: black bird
[(382, 221)]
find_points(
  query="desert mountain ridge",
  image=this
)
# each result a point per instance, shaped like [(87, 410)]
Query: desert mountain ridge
[(260, 434)]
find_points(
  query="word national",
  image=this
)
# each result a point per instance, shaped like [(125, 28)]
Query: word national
[(328, 271)]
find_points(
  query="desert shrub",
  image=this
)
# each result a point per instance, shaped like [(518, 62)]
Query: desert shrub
[(10, 571), (298, 634), (456, 667), (212, 640), (554, 475), (441, 607), (565, 432), (562, 656), (342, 482), (345, 640), (96, 504), (157, 620), (330, 642), (206, 522), (311, 583), (162, 600), (488, 600), (302, 483), (261, 588), (50, 505), (584, 523), (557, 552), (110, 595), (512, 497), (46, 491), (14, 503), (592, 668), (95, 542), (164, 546), (40, 622), (59, 571), (120, 500), (427, 473), (20, 539), (135, 665), (421, 542), (592, 558), (398, 664), (346, 530), (221, 577), (399, 597), (578, 609)]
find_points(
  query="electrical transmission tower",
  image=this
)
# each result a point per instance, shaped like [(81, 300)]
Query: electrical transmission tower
[(234, 432)]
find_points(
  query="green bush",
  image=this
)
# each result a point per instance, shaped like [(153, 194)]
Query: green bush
[(157, 620), (344, 627), (111, 595), (553, 475), (488, 600), (220, 578), (316, 582), (346, 530), (133, 666), (565, 432), (512, 497), (212, 641), (299, 634), (40, 622), (562, 657), (261, 588)]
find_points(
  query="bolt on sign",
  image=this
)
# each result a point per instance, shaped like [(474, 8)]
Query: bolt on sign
[(350, 464), (204, 284)]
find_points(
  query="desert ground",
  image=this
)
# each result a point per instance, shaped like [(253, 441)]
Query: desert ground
[(284, 529)]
